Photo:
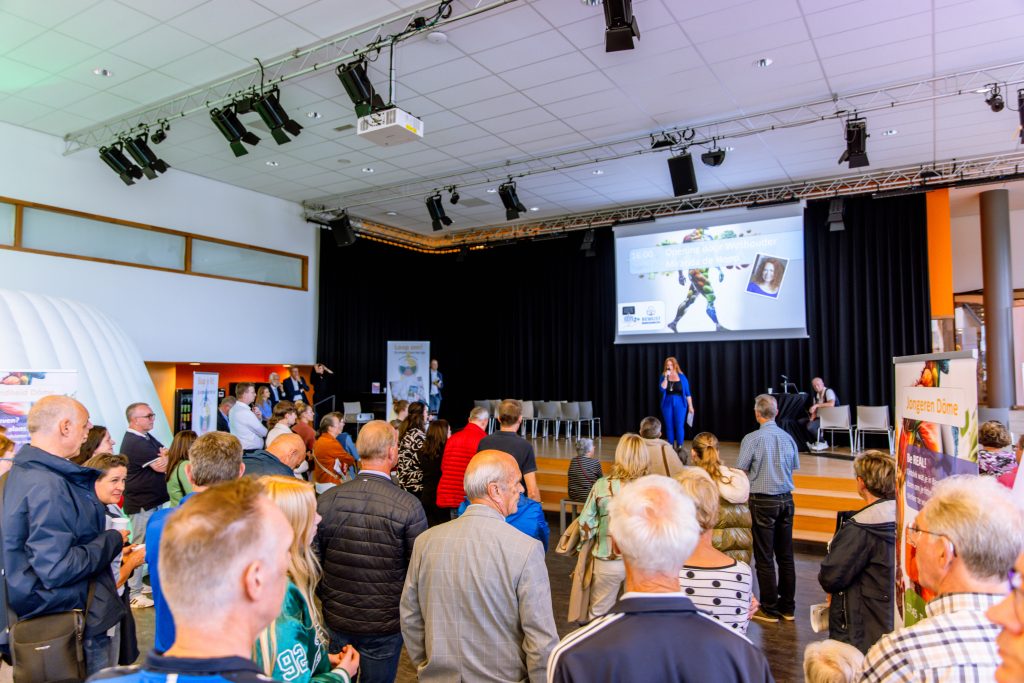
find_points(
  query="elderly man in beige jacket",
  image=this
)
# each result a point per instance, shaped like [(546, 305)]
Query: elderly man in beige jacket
[(664, 459)]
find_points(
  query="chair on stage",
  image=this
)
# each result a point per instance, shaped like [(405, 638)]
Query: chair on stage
[(587, 416), (835, 419), (872, 420), (495, 424), (547, 413), (569, 413), (354, 414), (529, 419), (486, 405)]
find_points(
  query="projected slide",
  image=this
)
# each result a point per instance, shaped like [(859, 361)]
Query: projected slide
[(704, 282)]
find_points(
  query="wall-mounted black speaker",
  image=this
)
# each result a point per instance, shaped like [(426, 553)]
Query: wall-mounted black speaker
[(341, 228), (684, 180)]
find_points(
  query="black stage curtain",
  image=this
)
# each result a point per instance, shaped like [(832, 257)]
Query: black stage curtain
[(536, 321)]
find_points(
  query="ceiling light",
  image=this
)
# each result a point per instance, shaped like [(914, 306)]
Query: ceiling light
[(729, 149), (454, 196), (313, 114), (491, 190), (509, 198), (271, 163), (437, 38), (160, 134), (995, 98), (621, 25), (344, 161), (438, 218), (232, 129), (764, 62), (150, 164), (359, 88), (113, 157), (106, 73), (890, 132), (367, 169), (534, 208), (341, 228), (268, 106), (856, 144), (391, 213), (597, 172), (193, 363)]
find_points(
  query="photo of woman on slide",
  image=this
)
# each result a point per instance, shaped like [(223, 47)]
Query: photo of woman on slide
[(766, 277)]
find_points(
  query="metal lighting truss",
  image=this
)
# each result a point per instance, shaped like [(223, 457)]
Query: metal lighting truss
[(699, 134), (901, 180), (295, 64)]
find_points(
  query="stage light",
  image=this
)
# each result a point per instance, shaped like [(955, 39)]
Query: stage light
[(268, 106), (341, 228), (856, 143), (995, 98), (150, 164), (510, 200), (835, 215), (1020, 114), (113, 157), (359, 88), (160, 134), (454, 196), (438, 219), (233, 131), (665, 142), (713, 157), (622, 26)]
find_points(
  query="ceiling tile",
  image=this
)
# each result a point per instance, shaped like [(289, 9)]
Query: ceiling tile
[(151, 86), (21, 112), (55, 92), (161, 9), (524, 52), (496, 106), (860, 14), (474, 91), (123, 70), (217, 20), (330, 17), (267, 41), (496, 28), (15, 31), (569, 88), (204, 65), (62, 120), (158, 46), (18, 76), (52, 52), (106, 24), (750, 17), (47, 14)]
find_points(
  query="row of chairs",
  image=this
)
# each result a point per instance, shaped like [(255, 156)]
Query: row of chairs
[(544, 414), (870, 420)]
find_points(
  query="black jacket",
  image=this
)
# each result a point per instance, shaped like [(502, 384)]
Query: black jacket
[(292, 388), (261, 462), (146, 488), (859, 573), (54, 543), (365, 541)]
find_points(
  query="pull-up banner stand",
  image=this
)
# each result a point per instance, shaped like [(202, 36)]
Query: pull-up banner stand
[(408, 372)]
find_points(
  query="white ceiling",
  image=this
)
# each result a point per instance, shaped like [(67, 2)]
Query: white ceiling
[(526, 79)]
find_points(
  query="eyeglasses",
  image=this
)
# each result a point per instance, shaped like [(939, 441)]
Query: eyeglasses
[(914, 534), (1017, 589)]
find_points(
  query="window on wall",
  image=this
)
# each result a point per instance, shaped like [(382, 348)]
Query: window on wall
[(51, 230), (225, 260)]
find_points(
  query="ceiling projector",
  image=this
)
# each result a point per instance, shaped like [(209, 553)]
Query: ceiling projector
[(390, 126)]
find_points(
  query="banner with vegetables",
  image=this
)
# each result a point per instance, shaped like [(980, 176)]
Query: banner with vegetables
[(937, 437), (19, 389)]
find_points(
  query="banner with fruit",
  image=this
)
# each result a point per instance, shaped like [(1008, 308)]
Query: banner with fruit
[(19, 389), (937, 437)]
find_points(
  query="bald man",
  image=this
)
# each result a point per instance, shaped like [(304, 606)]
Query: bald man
[(486, 577), (54, 542), (282, 457)]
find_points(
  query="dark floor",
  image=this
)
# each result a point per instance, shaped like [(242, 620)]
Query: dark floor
[(783, 643)]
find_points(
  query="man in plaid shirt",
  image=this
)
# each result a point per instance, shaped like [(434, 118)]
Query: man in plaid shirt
[(966, 537)]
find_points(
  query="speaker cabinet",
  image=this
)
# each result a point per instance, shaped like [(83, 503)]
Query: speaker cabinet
[(684, 180)]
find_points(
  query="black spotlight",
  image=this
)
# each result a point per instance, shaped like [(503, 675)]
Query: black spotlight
[(435, 208), (160, 134), (144, 156), (359, 88), (856, 144), (622, 27), (268, 106), (454, 197), (587, 245), (995, 98), (509, 198), (667, 141), (713, 157), (119, 163), (341, 228), (232, 129)]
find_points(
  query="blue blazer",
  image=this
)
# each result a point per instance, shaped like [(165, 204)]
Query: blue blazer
[(684, 384), (528, 518)]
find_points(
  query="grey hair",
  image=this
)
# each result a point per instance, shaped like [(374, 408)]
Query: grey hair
[(584, 446), (482, 472), (654, 524), (479, 413), (766, 407), (979, 516), (830, 661), (650, 427)]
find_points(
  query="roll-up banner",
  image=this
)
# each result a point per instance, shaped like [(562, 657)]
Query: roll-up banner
[(408, 373)]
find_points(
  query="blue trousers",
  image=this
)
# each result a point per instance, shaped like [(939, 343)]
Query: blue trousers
[(434, 403), (378, 655), (673, 415)]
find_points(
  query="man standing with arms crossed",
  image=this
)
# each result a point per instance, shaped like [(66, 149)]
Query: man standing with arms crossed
[(769, 457)]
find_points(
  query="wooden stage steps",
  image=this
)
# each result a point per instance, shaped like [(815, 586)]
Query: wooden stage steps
[(817, 496)]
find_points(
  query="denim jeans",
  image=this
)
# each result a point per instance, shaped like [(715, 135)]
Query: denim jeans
[(772, 518), (97, 654), (434, 403), (139, 522), (378, 655)]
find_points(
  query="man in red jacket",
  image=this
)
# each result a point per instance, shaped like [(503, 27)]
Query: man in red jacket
[(459, 450)]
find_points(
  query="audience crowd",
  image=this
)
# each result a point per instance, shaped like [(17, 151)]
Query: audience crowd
[(273, 550)]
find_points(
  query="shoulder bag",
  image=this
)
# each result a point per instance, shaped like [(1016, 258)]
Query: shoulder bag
[(47, 648)]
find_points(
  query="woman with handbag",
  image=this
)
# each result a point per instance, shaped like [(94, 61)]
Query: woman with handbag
[(631, 462), (330, 460)]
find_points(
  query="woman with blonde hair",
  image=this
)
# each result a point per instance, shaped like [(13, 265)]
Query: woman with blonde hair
[(733, 535), (294, 647), (631, 462), (263, 403)]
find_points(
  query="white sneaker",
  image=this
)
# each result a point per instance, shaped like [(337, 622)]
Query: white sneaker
[(141, 602)]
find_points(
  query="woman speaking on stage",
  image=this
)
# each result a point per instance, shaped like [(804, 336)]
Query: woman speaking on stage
[(676, 401)]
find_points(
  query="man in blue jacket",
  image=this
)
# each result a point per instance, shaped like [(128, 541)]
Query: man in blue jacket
[(54, 542)]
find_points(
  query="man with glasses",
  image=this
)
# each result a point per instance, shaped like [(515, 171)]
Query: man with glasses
[(1009, 614), (146, 488), (966, 538)]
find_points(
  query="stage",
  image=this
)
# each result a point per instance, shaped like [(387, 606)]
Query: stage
[(824, 482)]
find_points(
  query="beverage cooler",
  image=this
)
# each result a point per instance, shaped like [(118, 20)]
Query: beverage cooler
[(183, 408)]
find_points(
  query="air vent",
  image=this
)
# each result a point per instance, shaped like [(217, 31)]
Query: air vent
[(342, 129), (473, 202)]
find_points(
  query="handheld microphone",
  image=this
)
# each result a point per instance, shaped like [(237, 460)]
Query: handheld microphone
[(784, 377)]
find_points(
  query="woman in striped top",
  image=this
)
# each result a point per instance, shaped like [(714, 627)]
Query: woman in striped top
[(716, 583), (584, 470)]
